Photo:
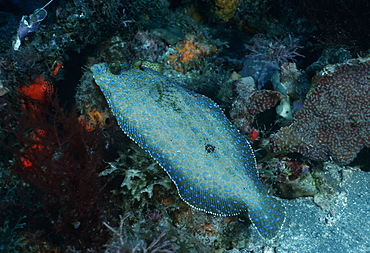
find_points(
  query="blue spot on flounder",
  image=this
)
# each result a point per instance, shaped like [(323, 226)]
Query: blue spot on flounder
[(191, 138)]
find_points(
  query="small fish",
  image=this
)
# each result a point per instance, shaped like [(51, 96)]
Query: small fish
[(210, 162)]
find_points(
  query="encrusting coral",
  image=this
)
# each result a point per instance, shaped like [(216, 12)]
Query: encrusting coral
[(334, 123), (95, 118), (38, 90), (189, 54)]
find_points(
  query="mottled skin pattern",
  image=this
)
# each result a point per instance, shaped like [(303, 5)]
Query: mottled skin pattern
[(210, 162)]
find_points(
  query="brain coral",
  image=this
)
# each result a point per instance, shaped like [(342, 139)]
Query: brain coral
[(334, 123)]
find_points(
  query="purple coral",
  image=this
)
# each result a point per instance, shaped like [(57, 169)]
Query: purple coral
[(266, 57), (274, 50), (334, 122)]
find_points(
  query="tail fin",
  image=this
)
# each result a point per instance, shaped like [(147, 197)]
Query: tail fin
[(268, 216)]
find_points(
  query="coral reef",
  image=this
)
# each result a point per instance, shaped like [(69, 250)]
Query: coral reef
[(249, 102), (38, 91), (291, 178), (67, 167), (170, 34), (138, 182), (114, 49), (95, 119), (162, 116), (262, 100), (189, 53), (88, 95), (334, 121), (328, 56), (288, 80), (10, 241), (148, 46), (61, 160), (128, 242), (225, 9), (266, 56), (155, 207)]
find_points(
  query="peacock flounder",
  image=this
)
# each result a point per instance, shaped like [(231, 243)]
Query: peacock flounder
[(210, 162)]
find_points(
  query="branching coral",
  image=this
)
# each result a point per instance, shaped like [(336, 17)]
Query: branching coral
[(10, 241), (334, 122), (274, 50), (266, 56), (124, 241)]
